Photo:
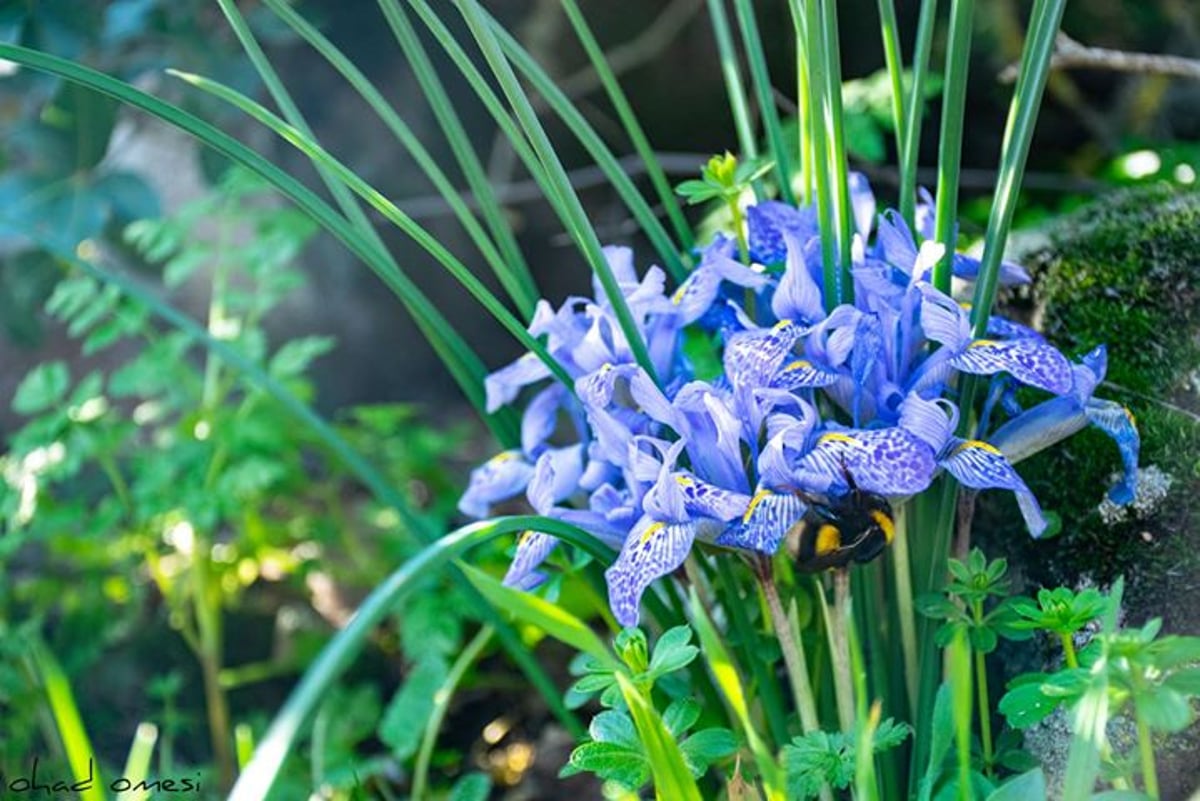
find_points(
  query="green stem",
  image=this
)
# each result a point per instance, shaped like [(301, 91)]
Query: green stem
[(792, 648), (895, 66), (837, 623), (981, 691), (906, 609), (950, 148), (441, 705), (208, 621), (819, 115), (768, 688), (1146, 751), (1068, 646), (837, 165), (739, 227)]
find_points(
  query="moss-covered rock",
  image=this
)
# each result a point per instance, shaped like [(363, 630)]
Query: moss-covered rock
[(1124, 271)]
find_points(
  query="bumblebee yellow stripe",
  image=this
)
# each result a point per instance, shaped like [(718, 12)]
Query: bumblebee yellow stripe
[(829, 539), (885, 523)]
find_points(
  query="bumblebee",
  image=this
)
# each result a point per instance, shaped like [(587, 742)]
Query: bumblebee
[(856, 526)]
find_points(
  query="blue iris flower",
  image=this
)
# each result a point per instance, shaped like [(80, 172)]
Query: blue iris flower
[(808, 403)]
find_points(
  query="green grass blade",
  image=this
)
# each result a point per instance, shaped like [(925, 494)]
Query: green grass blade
[(672, 779), (389, 210), (258, 777), (734, 87), (509, 267), (550, 618), (818, 114), (137, 763), (74, 736), (464, 365), (578, 226), (838, 167), (915, 108), (954, 106), (725, 675), (441, 705), (761, 80), (562, 105), (456, 136), (958, 675), (1022, 117), (894, 62), (633, 128), (407, 38)]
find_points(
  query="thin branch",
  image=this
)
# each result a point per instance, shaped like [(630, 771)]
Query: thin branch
[(1070, 54)]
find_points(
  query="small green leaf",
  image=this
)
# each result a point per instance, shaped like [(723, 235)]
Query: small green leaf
[(44, 387), (705, 747), (471, 787), (404, 719), (295, 356), (623, 764), (612, 726), (1186, 681), (1026, 705), (1163, 709), (680, 716), (672, 651), (1029, 786)]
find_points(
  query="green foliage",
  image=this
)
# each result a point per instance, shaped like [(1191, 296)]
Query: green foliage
[(617, 749), (815, 760), (723, 178), (1060, 610), (973, 583)]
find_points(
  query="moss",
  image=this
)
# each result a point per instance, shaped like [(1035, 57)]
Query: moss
[(1124, 271)]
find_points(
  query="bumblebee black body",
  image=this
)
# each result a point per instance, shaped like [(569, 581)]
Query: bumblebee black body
[(856, 526)]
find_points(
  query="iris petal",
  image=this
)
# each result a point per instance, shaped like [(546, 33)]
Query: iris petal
[(503, 476), (1030, 361), (765, 522), (886, 461), (767, 222), (1117, 421), (980, 465), (798, 297), (652, 550), (504, 384), (532, 549)]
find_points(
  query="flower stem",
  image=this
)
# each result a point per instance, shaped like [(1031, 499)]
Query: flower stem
[(911, 151), (793, 650), (1146, 749), (950, 150), (904, 599), (836, 624), (748, 636)]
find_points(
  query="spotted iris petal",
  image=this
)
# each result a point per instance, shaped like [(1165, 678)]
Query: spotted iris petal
[(533, 547), (768, 223), (653, 549), (980, 465), (765, 522), (885, 461)]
